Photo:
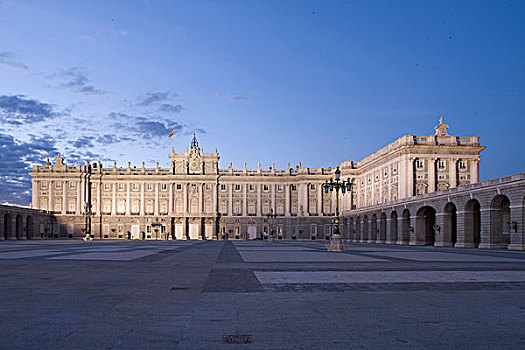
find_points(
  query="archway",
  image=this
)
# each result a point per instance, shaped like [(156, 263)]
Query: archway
[(18, 227), (393, 227), (366, 232), (358, 229), (7, 226), (424, 231), (382, 228), (373, 229), (500, 221), (450, 219), (404, 235), (29, 227), (472, 223)]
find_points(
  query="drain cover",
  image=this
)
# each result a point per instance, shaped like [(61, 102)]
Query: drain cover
[(178, 288), (237, 339)]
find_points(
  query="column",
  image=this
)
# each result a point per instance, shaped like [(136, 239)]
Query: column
[(517, 233), (64, 197), (272, 188), (487, 239), (474, 171), (287, 200), (244, 199), (35, 194), (444, 235), (51, 204), (453, 173), (170, 200), (230, 199), (128, 198), (79, 202), (320, 199), (114, 200), (156, 204), (199, 189), (215, 189), (185, 197), (142, 198), (410, 177), (259, 209), (99, 198), (431, 175)]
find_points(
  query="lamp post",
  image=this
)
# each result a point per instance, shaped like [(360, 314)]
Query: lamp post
[(271, 216), (336, 241)]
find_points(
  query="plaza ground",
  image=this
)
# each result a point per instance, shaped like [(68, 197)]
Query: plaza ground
[(258, 295)]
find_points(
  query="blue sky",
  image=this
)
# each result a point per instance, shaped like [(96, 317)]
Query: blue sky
[(317, 82)]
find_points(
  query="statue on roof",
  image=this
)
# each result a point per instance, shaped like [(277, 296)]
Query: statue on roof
[(194, 142), (441, 128)]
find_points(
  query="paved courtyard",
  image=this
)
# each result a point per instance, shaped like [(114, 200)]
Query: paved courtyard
[(258, 295)]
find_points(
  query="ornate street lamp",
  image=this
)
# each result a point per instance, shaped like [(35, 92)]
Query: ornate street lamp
[(271, 216), (336, 241)]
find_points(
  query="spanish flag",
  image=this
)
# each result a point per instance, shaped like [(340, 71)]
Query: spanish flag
[(171, 132)]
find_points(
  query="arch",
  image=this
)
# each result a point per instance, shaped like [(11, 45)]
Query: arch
[(404, 234), (450, 222), (365, 234), (29, 227), (381, 238), (19, 227), (424, 232), (357, 229), (472, 223), (500, 221), (393, 227), (373, 229), (7, 226)]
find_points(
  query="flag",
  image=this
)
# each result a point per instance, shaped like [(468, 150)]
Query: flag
[(171, 132)]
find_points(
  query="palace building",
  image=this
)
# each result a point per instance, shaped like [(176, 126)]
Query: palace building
[(196, 199)]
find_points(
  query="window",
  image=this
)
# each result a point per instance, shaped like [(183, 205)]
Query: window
[(386, 173), (279, 188), (223, 187), (462, 165), (237, 208), (107, 186), (43, 185), (150, 187), (135, 208), (58, 205), (252, 188), (441, 177), (120, 187), (441, 164), (208, 207), (135, 187), (237, 187), (122, 206), (394, 170), (224, 208), (313, 230), (107, 207), (72, 205), (328, 230), (208, 187), (251, 208), (293, 187), (280, 209), (179, 187), (149, 207), (163, 208), (419, 177), (58, 185), (312, 187), (163, 187), (266, 188), (72, 185), (420, 164)]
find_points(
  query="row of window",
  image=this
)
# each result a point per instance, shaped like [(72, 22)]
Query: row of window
[(58, 185), (441, 164)]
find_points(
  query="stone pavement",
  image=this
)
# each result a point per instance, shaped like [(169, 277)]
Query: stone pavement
[(257, 295)]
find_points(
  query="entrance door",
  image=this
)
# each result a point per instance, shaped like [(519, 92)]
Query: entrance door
[(135, 231), (252, 232), (179, 231), (194, 231)]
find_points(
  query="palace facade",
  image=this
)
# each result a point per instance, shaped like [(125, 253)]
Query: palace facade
[(195, 199)]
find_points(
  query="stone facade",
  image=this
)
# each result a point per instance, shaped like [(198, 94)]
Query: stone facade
[(195, 199)]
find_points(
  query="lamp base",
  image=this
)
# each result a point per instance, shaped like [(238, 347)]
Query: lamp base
[(87, 238), (336, 244)]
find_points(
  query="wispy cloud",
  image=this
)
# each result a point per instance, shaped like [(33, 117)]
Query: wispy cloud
[(9, 59), (75, 79), (20, 109), (230, 97)]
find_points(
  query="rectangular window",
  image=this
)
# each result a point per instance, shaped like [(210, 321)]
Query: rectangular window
[(312, 186), (419, 164), (208, 187), (441, 164), (121, 187), (179, 187), (237, 187), (43, 185), (164, 187), (150, 187), (58, 185), (252, 188), (266, 188), (279, 188), (313, 230), (462, 165), (135, 187), (107, 186), (223, 187), (293, 187), (72, 185)]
